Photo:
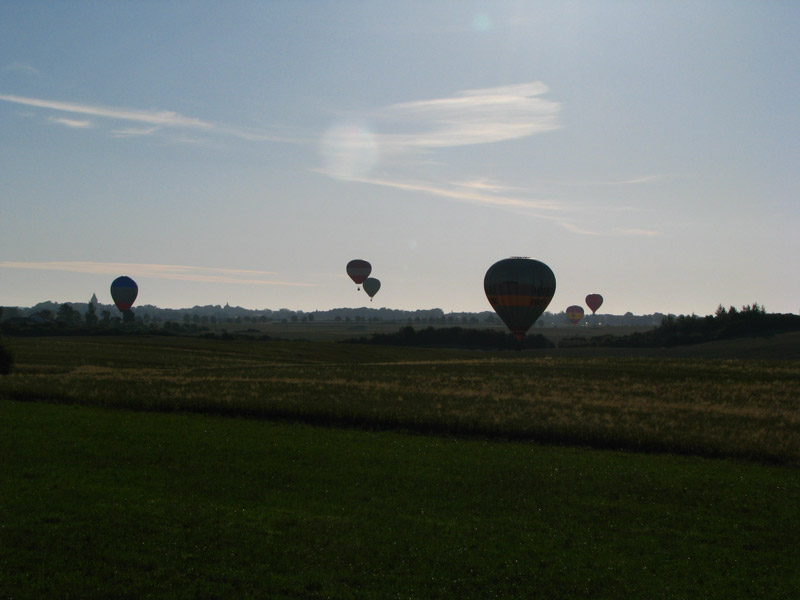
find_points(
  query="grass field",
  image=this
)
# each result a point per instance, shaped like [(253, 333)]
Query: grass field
[(733, 408), (336, 471)]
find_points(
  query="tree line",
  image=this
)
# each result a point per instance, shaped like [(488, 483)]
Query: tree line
[(92, 313), (693, 329)]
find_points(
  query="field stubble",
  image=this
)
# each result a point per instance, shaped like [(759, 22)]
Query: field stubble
[(737, 408)]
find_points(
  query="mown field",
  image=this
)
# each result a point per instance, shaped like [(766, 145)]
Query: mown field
[(734, 408), (323, 470)]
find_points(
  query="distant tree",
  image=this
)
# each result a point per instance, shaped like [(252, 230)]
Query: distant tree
[(106, 317), (68, 315), (9, 312), (128, 316), (91, 314)]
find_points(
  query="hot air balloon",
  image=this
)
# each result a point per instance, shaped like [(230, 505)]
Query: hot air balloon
[(358, 270), (594, 301), (371, 286), (519, 289), (574, 313), (124, 291)]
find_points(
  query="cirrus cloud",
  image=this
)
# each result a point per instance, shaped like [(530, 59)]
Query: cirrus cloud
[(73, 123), (157, 271), (479, 116), (150, 121)]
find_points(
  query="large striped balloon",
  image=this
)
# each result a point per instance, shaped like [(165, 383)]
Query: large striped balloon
[(124, 291), (519, 289)]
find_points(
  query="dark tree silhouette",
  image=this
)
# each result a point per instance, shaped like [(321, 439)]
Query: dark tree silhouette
[(6, 358), (91, 314)]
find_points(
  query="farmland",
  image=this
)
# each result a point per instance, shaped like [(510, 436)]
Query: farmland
[(313, 469)]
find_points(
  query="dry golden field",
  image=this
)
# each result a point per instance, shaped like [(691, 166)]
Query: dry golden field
[(733, 407)]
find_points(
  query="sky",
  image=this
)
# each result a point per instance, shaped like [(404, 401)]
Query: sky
[(243, 152)]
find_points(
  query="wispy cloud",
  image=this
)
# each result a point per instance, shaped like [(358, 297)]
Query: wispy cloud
[(21, 67), (642, 232), (480, 116), (74, 123), (156, 271), (157, 119), (486, 193), (470, 117), (639, 180), (475, 192), (616, 232), (163, 118), (134, 132), (485, 185), (390, 142)]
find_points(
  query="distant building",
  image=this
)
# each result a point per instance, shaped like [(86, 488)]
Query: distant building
[(94, 299)]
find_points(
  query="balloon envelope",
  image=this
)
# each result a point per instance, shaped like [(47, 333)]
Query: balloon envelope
[(519, 289), (358, 270), (594, 301), (575, 313), (124, 291), (371, 286)]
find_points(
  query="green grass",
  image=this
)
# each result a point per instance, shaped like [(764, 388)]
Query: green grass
[(314, 470), (101, 503)]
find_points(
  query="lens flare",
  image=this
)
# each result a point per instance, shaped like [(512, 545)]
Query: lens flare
[(348, 151), (481, 22)]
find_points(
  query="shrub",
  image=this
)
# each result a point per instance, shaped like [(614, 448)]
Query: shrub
[(6, 358)]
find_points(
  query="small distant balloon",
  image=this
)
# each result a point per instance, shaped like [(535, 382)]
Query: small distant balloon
[(124, 291), (594, 301), (358, 270), (575, 313), (371, 286), (519, 289)]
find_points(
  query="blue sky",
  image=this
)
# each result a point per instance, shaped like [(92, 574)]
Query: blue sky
[(244, 152)]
